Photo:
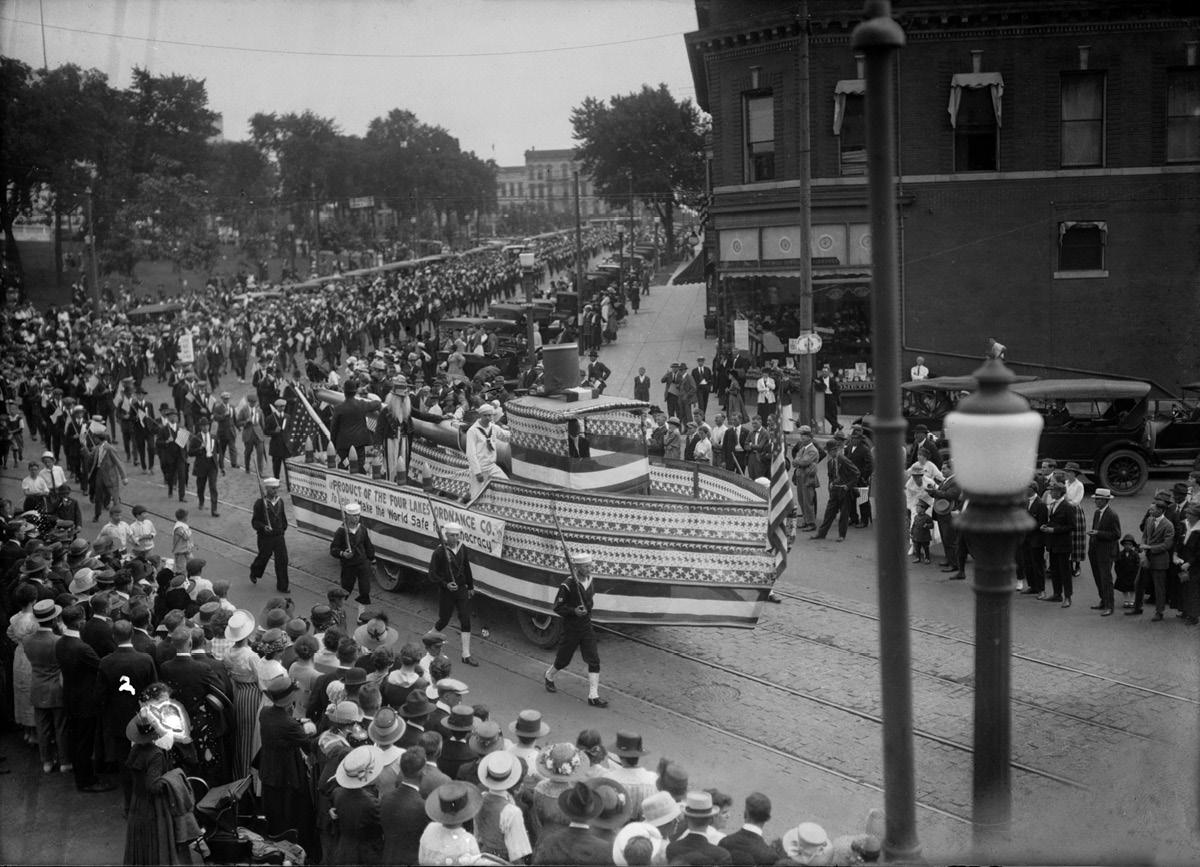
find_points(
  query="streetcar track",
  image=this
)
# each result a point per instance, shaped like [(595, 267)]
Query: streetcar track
[(942, 678), (711, 726), (832, 705), (821, 603)]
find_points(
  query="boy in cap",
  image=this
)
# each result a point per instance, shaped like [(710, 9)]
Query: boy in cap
[(921, 533)]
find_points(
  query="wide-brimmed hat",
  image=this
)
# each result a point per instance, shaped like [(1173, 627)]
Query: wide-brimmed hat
[(280, 688), (500, 770), (1068, 467), (616, 807), (1102, 494), (699, 805), (33, 565), (580, 802), (632, 831), (376, 633), (416, 705), (659, 809), (78, 550), (562, 762), (143, 729), (1162, 496), (344, 713), (241, 625), (529, 724), (629, 744), (360, 767), (807, 841), (82, 581), (386, 728), (45, 610), (453, 803), (461, 718), (104, 577), (485, 737)]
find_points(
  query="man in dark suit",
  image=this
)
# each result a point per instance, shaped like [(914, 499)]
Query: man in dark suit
[(277, 427), (124, 673), (172, 457), (747, 845), (1060, 521), (576, 843), (402, 811), (641, 386), (863, 457), (431, 776), (80, 667), (348, 426), (202, 449), (1103, 538), (1158, 541), (693, 847), (98, 630), (1031, 555), (843, 478), (702, 375), (139, 616)]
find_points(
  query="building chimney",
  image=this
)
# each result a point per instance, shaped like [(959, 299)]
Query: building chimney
[(977, 61)]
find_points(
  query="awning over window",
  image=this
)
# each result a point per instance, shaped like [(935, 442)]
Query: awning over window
[(1067, 225), (972, 80), (852, 86)]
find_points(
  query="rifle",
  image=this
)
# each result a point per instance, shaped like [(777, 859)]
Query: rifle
[(346, 526), (262, 495), (566, 551), (437, 528)]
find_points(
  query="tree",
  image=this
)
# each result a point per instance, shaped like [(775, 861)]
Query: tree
[(647, 139), (171, 124), (304, 148), (167, 218)]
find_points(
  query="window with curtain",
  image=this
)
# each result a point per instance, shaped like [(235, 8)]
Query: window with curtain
[(976, 135), (759, 126), (1081, 246), (1082, 119), (852, 142), (1183, 115)]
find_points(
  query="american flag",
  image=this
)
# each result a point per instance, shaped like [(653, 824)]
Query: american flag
[(306, 423), (779, 501)]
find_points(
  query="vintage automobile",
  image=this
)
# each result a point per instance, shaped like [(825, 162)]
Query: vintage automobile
[(927, 401), (1105, 425), (1175, 430), (510, 343)]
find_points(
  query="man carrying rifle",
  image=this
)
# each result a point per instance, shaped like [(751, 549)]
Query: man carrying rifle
[(574, 603), (353, 547), (450, 569), (270, 523)]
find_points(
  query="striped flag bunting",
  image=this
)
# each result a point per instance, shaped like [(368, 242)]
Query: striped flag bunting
[(780, 501)]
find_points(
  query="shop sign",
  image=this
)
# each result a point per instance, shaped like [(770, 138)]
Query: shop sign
[(741, 334)]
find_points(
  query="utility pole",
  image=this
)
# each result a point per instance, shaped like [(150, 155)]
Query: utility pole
[(578, 238), (631, 236), (94, 268), (804, 363)]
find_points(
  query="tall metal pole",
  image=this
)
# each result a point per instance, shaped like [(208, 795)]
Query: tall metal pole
[(94, 267), (631, 240), (578, 238), (879, 37), (804, 364)]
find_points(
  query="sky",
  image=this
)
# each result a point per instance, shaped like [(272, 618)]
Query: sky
[(500, 75)]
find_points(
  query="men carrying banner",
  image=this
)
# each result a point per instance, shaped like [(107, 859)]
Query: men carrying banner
[(574, 603), (270, 523), (450, 569), (353, 547)]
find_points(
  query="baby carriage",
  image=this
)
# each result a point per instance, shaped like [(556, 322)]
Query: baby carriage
[(226, 840)]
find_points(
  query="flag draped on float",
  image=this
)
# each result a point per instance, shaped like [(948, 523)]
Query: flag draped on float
[(779, 501)]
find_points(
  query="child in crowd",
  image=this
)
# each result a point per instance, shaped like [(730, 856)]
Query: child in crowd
[(181, 542), (1126, 567), (922, 533)]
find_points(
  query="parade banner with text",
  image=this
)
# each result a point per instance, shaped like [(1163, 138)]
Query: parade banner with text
[(406, 509)]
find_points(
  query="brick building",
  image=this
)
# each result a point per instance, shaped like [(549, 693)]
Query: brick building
[(1048, 179), (547, 182)]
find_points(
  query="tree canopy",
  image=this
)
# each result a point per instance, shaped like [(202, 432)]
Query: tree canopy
[(646, 139)]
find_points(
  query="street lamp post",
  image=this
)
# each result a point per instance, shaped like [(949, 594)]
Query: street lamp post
[(993, 440), (878, 38)]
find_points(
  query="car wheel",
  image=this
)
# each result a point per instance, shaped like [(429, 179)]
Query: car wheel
[(544, 630), (1124, 472), (395, 578)]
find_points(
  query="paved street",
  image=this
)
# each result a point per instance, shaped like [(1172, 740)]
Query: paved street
[(1104, 715)]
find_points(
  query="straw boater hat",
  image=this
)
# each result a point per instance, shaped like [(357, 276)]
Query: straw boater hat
[(82, 582), (699, 805), (499, 771), (807, 842), (44, 610), (659, 809), (1102, 494), (453, 803), (360, 767)]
